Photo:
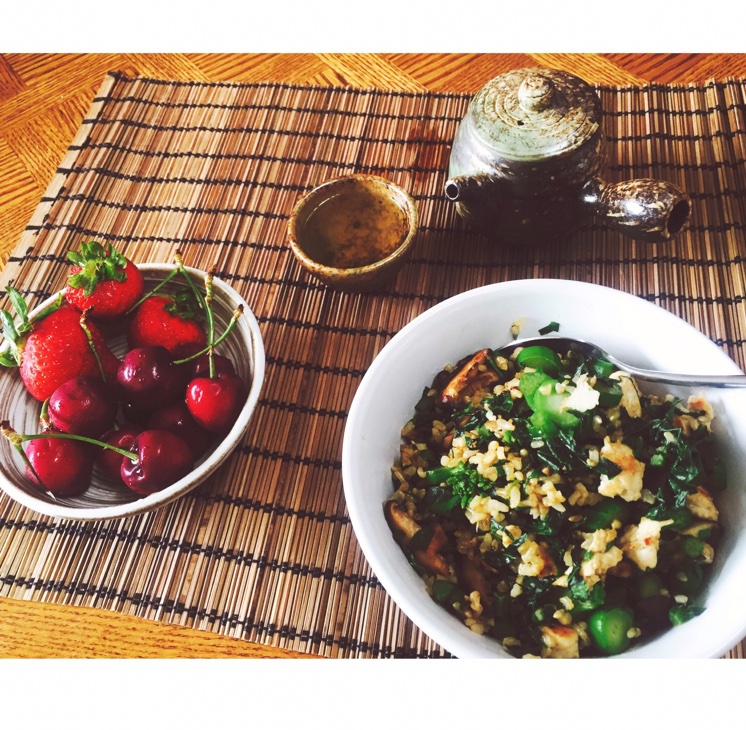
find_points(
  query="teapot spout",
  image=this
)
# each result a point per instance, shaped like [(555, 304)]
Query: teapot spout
[(461, 188)]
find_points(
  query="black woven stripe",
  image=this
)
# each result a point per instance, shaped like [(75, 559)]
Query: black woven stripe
[(296, 460), (280, 362), (460, 263), (294, 407), (243, 211), (349, 91), (73, 529), (196, 210), (249, 157), (296, 133), (428, 299), (272, 509), (225, 619), (690, 299), (218, 182), (326, 111), (335, 136), (336, 92), (651, 86), (439, 230)]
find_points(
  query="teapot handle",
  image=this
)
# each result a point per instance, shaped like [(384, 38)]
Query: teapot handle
[(644, 209)]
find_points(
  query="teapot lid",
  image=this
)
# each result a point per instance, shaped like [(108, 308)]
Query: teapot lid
[(533, 113)]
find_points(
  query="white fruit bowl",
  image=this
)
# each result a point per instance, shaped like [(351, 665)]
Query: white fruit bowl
[(636, 331), (103, 499)]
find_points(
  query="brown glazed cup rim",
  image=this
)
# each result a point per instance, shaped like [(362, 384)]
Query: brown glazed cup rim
[(314, 197)]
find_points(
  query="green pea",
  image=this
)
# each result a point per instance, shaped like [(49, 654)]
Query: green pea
[(648, 585), (609, 627), (445, 592), (540, 358), (692, 546)]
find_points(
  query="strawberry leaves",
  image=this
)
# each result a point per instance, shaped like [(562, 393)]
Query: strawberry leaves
[(14, 332), (183, 305), (97, 263)]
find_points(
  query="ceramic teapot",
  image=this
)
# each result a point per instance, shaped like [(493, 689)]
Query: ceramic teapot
[(528, 159)]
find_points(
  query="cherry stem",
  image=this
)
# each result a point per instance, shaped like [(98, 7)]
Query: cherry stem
[(236, 314), (210, 322), (153, 291), (17, 439), (89, 337), (12, 436), (185, 273)]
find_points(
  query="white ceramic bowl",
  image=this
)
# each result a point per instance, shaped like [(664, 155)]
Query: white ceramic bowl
[(635, 330), (103, 499)]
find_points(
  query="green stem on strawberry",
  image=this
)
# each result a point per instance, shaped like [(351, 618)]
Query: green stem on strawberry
[(236, 314), (17, 439), (13, 334), (89, 337)]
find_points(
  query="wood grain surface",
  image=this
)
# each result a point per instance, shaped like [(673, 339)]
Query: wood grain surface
[(43, 99)]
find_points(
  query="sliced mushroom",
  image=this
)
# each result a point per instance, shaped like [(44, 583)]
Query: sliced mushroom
[(475, 375), (471, 577), (404, 528)]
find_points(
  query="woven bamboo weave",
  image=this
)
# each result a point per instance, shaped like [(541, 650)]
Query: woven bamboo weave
[(265, 550)]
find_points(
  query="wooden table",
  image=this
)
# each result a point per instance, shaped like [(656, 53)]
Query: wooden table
[(43, 99)]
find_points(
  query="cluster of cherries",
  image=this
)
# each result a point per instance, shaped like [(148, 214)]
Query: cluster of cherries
[(173, 411)]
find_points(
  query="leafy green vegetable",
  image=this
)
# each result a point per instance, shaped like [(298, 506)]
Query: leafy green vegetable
[(551, 327), (681, 614), (463, 479), (584, 598)]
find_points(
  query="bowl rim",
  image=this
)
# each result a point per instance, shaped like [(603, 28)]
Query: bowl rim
[(395, 574), (331, 272), (205, 468)]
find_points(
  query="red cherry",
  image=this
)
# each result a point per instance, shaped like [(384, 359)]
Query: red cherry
[(216, 402), (162, 459), (176, 418), (201, 366), (82, 406), (61, 466), (149, 378), (110, 462)]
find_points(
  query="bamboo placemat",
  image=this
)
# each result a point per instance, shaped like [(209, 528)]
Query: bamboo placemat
[(265, 550)]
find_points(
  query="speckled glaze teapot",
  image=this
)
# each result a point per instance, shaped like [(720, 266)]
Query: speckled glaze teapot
[(528, 158)]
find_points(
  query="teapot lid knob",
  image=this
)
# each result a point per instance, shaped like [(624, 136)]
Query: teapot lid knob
[(535, 93)]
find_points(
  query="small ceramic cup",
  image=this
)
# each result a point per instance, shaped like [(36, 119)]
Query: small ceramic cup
[(353, 233)]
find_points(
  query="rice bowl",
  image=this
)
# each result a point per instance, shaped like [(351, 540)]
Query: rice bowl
[(639, 332)]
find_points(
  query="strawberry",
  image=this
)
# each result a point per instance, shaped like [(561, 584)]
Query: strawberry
[(169, 322), (102, 280), (53, 348)]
